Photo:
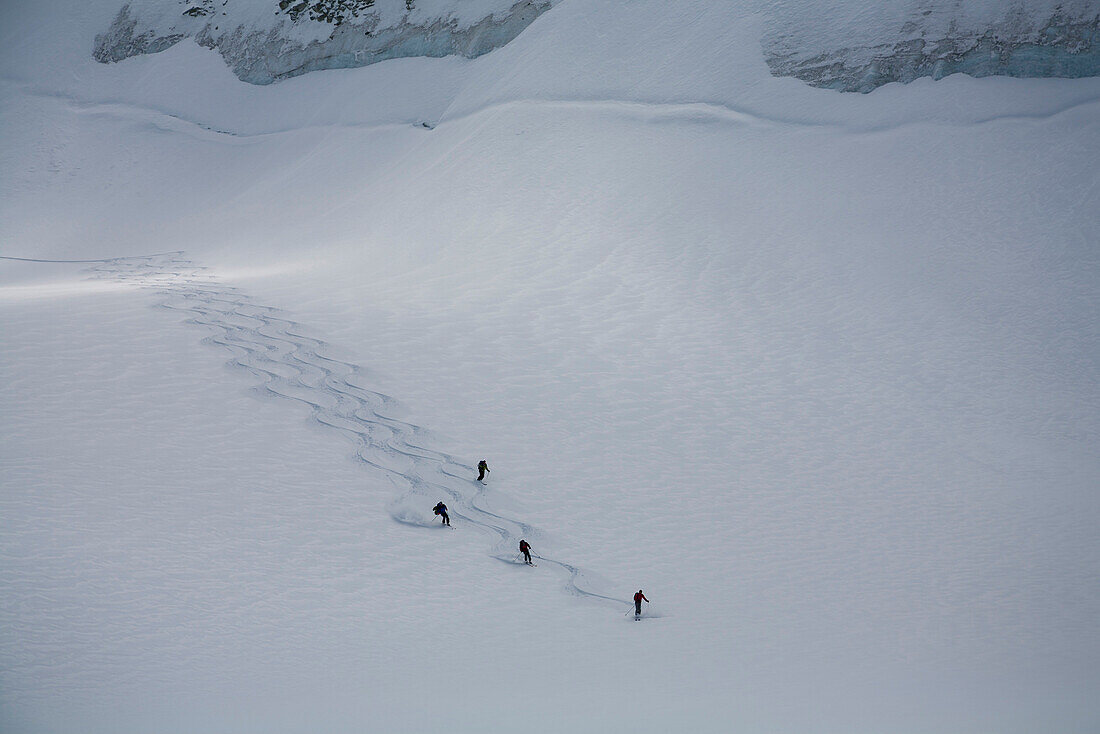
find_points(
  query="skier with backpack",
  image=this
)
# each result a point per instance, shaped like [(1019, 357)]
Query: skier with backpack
[(441, 510), (638, 599), (525, 549), (482, 467)]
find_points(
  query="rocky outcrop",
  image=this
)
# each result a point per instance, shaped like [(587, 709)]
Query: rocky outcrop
[(125, 39), (1059, 43), (307, 36)]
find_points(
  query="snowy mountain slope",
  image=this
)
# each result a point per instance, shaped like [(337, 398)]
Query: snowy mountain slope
[(816, 371), (295, 367)]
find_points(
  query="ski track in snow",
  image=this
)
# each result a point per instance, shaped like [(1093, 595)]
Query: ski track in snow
[(293, 365)]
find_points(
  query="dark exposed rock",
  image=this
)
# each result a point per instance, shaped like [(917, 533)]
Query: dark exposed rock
[(122, 40), (355, 38), (1060, 46)]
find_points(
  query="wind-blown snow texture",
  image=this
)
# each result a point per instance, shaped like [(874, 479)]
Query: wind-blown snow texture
[(818, 372)]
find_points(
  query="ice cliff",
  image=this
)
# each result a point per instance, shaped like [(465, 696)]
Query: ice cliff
[(849, 45), (266, 40), (857, 47)]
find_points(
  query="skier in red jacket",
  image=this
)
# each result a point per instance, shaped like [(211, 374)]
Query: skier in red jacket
[(525, 549), (638, 598)]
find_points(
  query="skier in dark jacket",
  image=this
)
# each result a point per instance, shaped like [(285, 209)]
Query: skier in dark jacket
[(482, 467), (525, 549), (441, 510), (638, 598)]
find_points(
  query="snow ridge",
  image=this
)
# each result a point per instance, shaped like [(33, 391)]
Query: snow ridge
[(294, 366)]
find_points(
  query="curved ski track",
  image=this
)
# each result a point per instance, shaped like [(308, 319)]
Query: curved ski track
[(294, 366)]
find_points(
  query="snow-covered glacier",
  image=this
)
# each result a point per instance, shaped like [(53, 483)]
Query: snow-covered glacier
[(266, 40), (819, 372), (858, 47)]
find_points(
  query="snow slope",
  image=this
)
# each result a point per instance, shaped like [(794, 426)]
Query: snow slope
[(816, 371)]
